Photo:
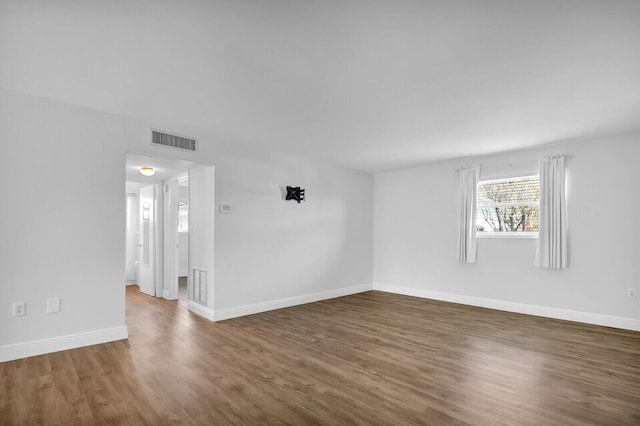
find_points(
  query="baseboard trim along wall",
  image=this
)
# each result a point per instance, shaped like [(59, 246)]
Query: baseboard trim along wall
[(239, 311), (540, 311), (61, 343), (201, 310)]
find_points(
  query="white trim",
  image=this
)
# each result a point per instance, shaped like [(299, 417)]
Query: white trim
[(507, 178), (495, 175), (158, 212), (62, 343), (201, 310), (497, 234), (511, 204), (501, 305), (238, 311), (167, 294)]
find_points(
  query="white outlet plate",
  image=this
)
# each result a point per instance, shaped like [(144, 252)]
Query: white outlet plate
[(53, 305), (19, 309), (632, 293)]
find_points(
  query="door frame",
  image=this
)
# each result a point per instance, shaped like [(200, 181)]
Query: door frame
[(204, 250), (152, 242), (171, 191)]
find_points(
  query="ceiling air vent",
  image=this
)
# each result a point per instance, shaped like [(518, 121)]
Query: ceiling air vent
[(167, 139)]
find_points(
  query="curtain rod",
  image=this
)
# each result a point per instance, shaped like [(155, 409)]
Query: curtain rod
[(467, 167), (566, 155)]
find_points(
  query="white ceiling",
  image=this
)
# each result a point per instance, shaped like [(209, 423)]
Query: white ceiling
[(374, 85)]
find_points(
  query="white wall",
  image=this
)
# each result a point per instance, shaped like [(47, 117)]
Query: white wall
[(64, 233), (203, 233), (415, 231), (66, 237), (270, 253), (62, 225), (270, 249)]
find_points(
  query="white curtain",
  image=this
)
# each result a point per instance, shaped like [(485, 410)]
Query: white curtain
[(552, 241), (467, 244)]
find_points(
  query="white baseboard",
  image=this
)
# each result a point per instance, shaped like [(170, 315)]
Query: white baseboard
[(62, 343), (541, 311), (200, 310), (238, 311)]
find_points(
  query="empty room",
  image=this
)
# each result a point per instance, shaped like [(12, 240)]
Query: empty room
[(320, 212)]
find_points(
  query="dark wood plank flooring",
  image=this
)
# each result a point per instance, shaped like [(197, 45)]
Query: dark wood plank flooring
[(371, 358), (182, 288)]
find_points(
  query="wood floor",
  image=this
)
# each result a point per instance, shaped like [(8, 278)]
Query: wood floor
[(371, 358)]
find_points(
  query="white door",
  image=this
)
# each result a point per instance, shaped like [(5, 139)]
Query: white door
[(146, 277), (171, 240)]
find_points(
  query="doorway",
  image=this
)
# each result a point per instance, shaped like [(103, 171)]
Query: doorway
[(147, 235), (168, 245), (183, 238), (176, 237)]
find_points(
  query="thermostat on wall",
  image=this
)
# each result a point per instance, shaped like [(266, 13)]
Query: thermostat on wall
[(224, 209)]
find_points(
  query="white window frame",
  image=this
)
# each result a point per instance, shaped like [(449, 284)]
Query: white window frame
[(493, 235)]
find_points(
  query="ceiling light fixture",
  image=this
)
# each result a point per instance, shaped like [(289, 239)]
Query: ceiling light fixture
[(147, 171)]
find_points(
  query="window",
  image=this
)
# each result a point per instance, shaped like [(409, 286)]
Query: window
[(508, 207), (183, 217)]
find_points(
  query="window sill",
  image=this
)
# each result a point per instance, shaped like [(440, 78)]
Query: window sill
[(493, 235)]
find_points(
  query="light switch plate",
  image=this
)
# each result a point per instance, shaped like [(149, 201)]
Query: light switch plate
[(19, 309)]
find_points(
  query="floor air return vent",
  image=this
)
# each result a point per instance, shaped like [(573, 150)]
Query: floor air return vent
[(199, 289)]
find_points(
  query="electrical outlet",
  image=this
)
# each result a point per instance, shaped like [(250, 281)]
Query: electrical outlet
[(19, 309), (632, 293), (53, 305)]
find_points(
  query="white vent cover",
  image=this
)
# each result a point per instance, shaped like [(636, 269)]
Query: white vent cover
[(199, 285), (174, 141)]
